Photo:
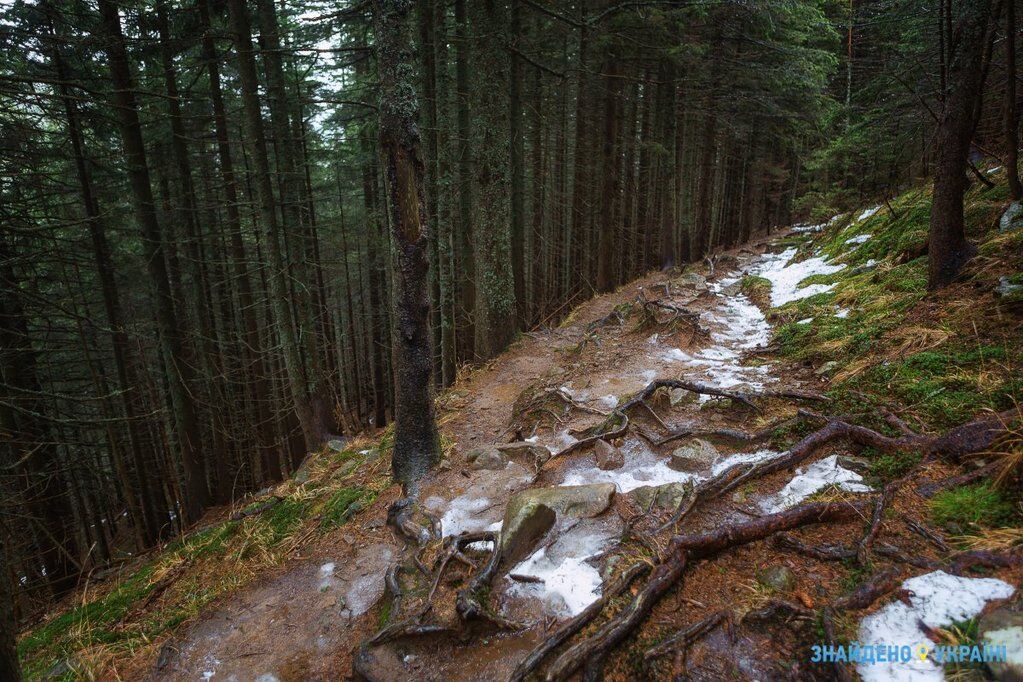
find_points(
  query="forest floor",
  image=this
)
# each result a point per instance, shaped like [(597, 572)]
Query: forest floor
[(290, 584)]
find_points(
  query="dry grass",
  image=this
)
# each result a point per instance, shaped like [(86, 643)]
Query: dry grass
[(993, 539)]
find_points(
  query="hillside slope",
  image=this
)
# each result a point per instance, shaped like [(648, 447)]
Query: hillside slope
[(751, 350)]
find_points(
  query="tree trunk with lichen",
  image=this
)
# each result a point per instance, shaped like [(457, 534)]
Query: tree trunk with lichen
[(416, 442), (495, 292)]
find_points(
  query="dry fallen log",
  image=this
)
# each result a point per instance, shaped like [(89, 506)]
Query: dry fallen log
[(818, 552)]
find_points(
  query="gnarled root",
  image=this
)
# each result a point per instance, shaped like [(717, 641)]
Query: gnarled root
[(681, 550)]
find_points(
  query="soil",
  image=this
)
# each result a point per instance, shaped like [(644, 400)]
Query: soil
[(308, 619)]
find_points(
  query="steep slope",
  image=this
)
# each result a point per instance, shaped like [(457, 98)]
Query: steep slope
[(744, 344)]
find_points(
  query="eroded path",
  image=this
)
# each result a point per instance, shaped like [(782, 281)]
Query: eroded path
[(544, 393)]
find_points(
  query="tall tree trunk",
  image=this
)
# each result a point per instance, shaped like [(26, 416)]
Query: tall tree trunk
[(606, 240), (139, 497), (171, 329), (252, 355), (495, 291), (1011, 109), (416, 442), (517, 162), (948, 248), (464, 238), (443, 227), (9, 668), (268, 217)]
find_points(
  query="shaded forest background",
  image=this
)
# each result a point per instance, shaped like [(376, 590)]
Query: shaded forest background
[(194, 255)]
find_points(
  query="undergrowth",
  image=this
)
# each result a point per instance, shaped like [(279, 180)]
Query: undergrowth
[(110, 624)]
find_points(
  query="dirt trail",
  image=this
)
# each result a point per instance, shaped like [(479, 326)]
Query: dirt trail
[(301, 622), (305, 622)]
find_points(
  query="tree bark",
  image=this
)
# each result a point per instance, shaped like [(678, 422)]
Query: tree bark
[(1011, 109), (948, 249), (416, 441)]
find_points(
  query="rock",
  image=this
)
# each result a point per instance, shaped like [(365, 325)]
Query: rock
[(666, 496), (525, 514), (301, 476), (733, 289), (1004, 627), (696, 455), (489, 458), (529, 455), (826, 368), (778, 578), (861, 269), (1007, 288), (857, 464), (692, 280), (336, 445), (576, 501), (523, 531), (1012, 219), (608, 456), (677, 396)]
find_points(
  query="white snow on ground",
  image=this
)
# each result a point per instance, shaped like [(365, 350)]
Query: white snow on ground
[(858, 239), (463, 514), (867, 213), (805, 320), (801, 229), (327, 576), (938, 599), (570, 584), (785, 276), (817, 476), (842, 313)]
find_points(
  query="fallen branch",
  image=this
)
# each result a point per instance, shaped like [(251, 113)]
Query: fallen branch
[(870, 591)]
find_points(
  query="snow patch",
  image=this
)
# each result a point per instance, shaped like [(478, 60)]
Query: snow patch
[(937, 599), (817, 476), (867, 213), (570, 583), (842, 313), (785, 276), (463, 514), (858, 239), (805, 320)]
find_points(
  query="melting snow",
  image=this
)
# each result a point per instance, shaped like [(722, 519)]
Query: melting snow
[(842, 313), (805, 320), (785, 276), (570, 583), (938, 599), (858, 239), (866, 214), (463, 514), (817, 476)]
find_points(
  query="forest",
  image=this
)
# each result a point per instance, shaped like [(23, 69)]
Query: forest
[(271, 269)]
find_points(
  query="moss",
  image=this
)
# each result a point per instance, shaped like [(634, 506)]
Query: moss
[(342, 506), (282, 520), (885, 467), (757, 290), (976, 505)]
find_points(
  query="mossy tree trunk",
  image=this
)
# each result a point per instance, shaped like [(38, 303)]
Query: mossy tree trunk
[(416, 442)]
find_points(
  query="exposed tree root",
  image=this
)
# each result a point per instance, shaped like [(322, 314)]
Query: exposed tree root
[(681, 550), (870, 591), (680, 642), (819, 552), (779, 608), (578, 622)]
